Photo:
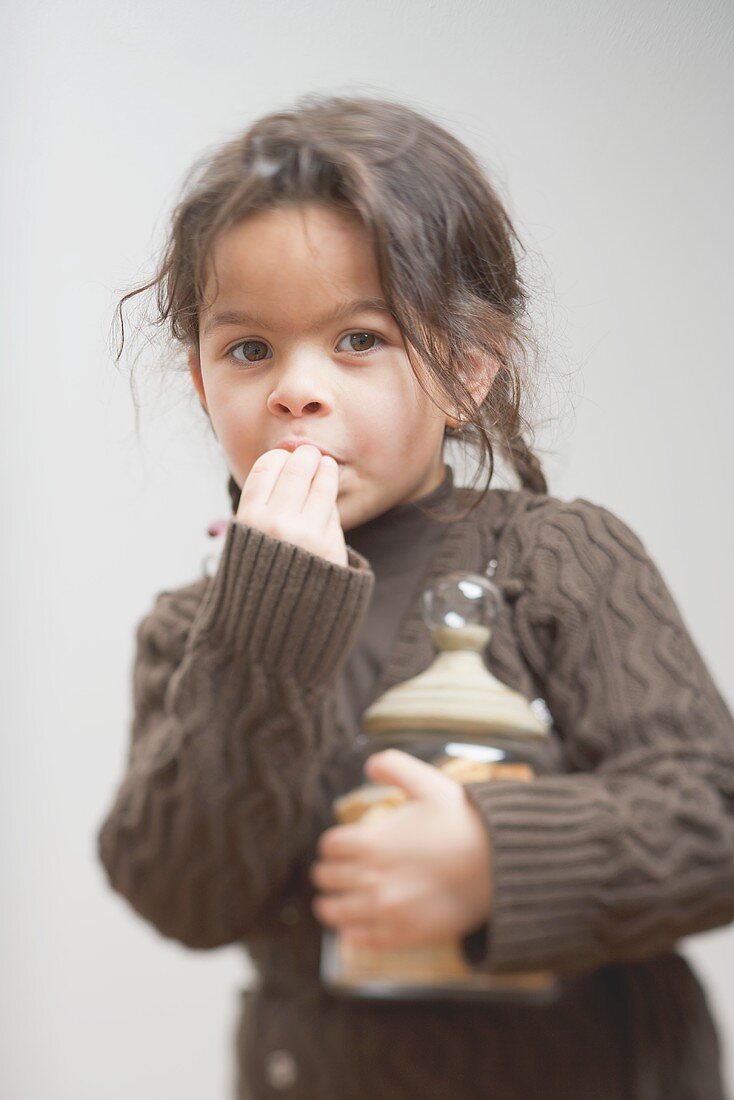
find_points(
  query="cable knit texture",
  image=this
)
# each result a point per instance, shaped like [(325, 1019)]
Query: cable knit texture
[(236, 755)]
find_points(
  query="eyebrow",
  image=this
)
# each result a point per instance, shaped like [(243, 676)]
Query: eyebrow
[(239, 317)]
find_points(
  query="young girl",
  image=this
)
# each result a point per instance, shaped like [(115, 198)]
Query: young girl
[(343, 279)]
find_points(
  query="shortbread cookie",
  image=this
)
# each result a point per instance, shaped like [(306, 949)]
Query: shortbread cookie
[(464, 770), (357, 803)]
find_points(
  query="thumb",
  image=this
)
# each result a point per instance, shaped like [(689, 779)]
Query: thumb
[(414, 776)]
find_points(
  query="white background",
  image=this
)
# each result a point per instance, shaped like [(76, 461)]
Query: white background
[(603, 126)]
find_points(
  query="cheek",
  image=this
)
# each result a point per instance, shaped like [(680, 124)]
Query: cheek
[(235, 426), (388, 440), (388, 419)]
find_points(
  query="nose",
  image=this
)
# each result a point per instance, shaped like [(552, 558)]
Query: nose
[(300, 391)]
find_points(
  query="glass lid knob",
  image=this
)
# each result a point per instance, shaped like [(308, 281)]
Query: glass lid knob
[(460, 610)]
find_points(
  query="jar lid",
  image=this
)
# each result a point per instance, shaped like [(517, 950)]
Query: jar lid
[(457, 692)]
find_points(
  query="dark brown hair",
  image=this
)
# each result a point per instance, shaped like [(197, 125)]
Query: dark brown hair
[(446, 249)]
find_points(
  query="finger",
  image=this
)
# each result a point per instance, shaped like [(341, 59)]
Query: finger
[(413, 775), (334, 531), (294, 484), (343, 842), (338, 874), (320, 502), (369, 935), (337, 910), (262, 477), (387, 937)]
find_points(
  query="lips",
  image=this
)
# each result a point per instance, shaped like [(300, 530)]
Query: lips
[(292, 444)]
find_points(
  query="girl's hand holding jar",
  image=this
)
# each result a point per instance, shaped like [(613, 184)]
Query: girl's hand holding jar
[(419, 874)]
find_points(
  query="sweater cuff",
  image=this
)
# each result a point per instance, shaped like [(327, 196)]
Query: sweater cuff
[(552, 850), (277, 605)]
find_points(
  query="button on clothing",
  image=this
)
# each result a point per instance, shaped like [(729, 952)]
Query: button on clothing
[(512, 588), (289, 913), (247, 687), (280, 1069)]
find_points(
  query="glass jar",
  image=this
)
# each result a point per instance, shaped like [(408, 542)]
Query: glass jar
[(460, 718)]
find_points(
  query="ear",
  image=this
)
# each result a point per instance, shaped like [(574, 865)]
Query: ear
[(195, 369), (484, 367), (482, 371)]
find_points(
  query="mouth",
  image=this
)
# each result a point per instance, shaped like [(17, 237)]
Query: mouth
[(292, 444)]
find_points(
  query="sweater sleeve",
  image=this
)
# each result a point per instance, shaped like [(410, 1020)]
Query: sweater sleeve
[(634, 847), (234, 712)]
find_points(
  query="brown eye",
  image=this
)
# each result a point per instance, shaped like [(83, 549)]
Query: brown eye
[(248, 345), (358, 340)]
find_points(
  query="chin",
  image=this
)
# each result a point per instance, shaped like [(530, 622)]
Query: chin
[(355, 513)]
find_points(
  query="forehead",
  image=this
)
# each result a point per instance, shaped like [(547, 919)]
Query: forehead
[(294, 257)]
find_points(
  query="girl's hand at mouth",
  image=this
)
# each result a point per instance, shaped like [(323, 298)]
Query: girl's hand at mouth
[(292, 497)]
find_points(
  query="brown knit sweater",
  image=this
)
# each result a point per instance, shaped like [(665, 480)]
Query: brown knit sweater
[(238, 750)]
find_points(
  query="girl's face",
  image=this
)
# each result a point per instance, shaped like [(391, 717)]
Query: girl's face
[(289, 349)]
